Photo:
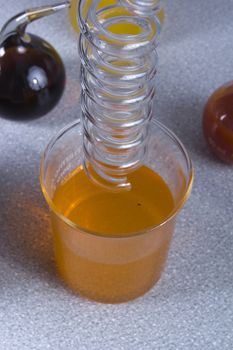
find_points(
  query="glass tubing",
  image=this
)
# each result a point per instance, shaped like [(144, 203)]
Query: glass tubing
[(118, 86)]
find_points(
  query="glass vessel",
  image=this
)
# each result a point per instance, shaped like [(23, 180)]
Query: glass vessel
[(107, 267), (32, 74)]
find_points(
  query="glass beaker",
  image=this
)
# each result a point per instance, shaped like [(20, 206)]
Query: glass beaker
[(105, 268)]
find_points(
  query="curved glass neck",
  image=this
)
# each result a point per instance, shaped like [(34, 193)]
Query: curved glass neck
[(19, 23)]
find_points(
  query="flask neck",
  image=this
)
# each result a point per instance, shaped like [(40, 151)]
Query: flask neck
[(19, 23)]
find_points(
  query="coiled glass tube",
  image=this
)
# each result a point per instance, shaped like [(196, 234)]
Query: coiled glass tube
[(118, 86)]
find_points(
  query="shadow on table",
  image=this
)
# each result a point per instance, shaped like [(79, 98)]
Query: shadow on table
[(26, 239), (184, 118), (203, 272)]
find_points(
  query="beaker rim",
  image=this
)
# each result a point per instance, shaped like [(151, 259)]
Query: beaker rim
[(179, 205)]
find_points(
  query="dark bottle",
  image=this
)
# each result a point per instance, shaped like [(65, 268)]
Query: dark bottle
[(218, 122), (32, 74)]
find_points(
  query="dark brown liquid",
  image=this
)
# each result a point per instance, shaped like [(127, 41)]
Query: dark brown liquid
[(32, 77), (218, 122)]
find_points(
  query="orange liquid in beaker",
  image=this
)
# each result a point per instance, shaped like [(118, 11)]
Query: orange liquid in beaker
[(109, 267)]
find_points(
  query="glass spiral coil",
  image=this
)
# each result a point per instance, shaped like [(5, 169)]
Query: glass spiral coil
[(118, 86)]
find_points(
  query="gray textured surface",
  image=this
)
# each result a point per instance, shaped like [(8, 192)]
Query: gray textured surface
[(192, 306)]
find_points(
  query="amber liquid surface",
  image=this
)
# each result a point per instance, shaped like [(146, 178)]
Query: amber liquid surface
[(104, 266)]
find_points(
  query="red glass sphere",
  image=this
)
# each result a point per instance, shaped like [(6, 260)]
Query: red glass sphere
[(218, 122)]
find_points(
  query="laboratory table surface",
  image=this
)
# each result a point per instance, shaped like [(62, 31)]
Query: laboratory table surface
[(192, 305)]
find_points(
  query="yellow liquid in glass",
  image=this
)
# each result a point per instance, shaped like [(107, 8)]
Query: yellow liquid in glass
[(110, 214), (119, 29)]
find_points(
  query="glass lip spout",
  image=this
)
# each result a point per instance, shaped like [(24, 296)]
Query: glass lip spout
[(19, 23)]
